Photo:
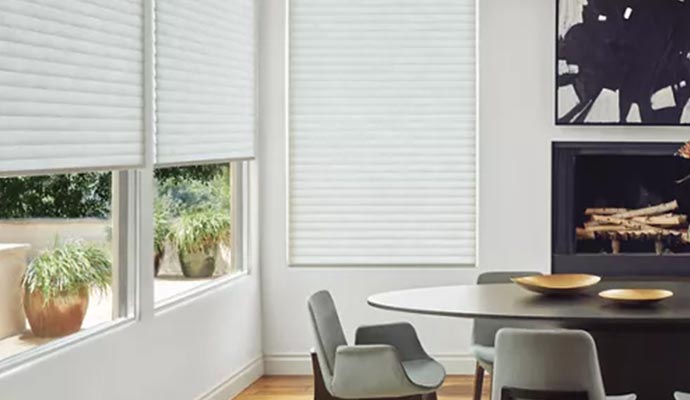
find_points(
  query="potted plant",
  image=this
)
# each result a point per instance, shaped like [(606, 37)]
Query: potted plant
[(197, 235), (161, 234), (57, 284)]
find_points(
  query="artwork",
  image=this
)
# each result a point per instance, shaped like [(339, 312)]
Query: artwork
[(623, 62)]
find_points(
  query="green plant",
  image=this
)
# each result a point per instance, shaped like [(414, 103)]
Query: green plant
[(161, 225), (201, 230), (68, 269), (184, 195), (56, 196)]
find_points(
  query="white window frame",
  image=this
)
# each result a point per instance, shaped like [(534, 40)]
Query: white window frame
[(125, 253), (134, 193), (239, 234)]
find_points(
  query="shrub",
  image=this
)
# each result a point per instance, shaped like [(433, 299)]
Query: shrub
[(68, 269), (56, 196), (201, 231)]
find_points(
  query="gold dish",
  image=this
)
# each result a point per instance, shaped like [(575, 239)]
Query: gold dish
[(557, 284), (636, 296)]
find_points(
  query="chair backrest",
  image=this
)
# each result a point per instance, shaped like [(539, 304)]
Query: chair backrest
[(547, 361), (327, 328), (485, 330)]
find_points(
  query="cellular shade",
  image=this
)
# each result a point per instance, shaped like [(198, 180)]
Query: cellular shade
[(71, 85), (205, 85), (382, 132)]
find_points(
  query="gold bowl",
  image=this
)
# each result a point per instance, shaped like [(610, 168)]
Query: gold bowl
[(636, 296), (560, 284)]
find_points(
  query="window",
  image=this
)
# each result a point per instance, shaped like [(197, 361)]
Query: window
[(58, 245), (382, 145), (139, 88), (197, 227)]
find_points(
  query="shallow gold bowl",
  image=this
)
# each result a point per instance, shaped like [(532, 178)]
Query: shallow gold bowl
[(636, 296), (558, 283)]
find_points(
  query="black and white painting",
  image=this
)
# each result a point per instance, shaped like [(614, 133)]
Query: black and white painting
[(623, 62)]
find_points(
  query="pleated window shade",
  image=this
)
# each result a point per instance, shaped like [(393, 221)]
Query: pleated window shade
[(382, 132), (205, 78), (71, 85)]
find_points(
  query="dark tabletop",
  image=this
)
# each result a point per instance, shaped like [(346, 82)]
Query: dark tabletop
[(510, 301)]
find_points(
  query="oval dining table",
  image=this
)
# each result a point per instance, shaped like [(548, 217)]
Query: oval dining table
[(642, 349)]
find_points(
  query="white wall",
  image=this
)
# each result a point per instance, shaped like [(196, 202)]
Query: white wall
[(517, 43), (181, 354)]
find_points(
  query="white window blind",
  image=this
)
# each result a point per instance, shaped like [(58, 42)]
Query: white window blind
[(205, 80), (382, 132), (71, 91)]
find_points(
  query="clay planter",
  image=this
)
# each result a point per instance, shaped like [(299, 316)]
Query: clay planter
[(157, 258), (201, 264), (58, 317)]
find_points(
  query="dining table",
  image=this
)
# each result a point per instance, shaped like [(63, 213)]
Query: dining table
[(642, 348)]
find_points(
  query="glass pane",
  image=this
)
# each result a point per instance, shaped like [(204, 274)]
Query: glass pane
[(193, 228), (56, 252)]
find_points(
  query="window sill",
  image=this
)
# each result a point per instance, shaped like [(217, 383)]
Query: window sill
[(194, 289), (31, 350)]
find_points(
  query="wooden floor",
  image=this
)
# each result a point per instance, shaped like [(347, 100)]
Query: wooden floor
[(300, 388)]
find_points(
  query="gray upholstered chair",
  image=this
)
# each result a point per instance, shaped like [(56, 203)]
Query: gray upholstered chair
[(387, 361), (484, 331), (533, 364), (681, 396)]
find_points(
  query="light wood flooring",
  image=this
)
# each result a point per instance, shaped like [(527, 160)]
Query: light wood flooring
[(300, 388)]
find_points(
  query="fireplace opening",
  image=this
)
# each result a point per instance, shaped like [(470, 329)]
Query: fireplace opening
[(620, 209), (631, 204)]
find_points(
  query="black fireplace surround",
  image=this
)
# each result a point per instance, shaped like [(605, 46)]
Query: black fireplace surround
[(624, 174)]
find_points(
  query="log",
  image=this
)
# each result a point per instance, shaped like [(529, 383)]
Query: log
[(628, 223), (666, 220), (613, 227), (582, 233), (653, 210), (623, 233), (605, 211)]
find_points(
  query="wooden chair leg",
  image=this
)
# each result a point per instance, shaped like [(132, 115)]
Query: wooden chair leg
[(320, 391), (478, 382)]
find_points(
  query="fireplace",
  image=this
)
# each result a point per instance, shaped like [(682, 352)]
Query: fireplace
[(620, 209)]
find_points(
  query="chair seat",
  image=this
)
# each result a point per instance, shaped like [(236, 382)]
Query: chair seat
[(624, 397), (484, 354), (425, 373)]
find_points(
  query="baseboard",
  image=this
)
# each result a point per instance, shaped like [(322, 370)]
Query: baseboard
[(300, 364), (239, 381)]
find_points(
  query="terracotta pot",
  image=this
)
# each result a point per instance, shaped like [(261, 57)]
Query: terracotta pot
[(200, 264), (60, 316), (157, 258)]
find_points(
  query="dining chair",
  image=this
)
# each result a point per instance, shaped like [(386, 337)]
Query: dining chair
[(681, 396), (551, 364), (386, 362), (484, 330)]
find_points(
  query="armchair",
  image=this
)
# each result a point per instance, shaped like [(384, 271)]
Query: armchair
[(386, 362)]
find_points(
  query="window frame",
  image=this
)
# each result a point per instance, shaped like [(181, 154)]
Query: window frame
[(239, 234), (133, 191), (125, 255)]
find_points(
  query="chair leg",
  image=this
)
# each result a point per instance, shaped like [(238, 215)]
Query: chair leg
[(430, 396), (478, 382), (320, 391)]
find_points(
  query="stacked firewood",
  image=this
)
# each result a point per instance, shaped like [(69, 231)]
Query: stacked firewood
[(657, 223)]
